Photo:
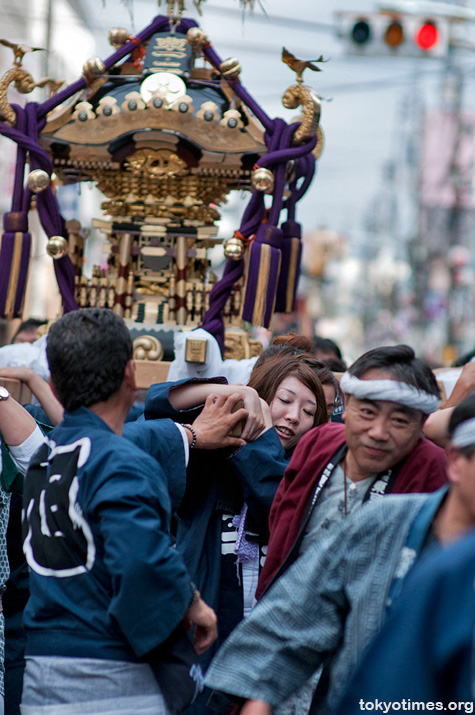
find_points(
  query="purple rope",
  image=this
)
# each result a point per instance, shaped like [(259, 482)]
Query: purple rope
[(304, 169), (23, 273), (237, 87), (5, 265), (48, 211), (285, 138), (308, 170), (253, 214), (285, 155), (24, 141), (17, 197), (213, 320)]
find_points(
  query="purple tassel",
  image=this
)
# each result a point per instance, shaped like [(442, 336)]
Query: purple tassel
[(14, 260), (290, 267), (262, 276)]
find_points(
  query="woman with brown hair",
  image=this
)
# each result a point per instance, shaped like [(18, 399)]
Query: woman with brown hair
[(223, 516)]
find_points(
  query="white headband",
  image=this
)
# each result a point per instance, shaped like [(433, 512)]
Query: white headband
[(390, 390), (464, 434)]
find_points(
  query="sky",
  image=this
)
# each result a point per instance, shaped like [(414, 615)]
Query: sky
[(367, 101)]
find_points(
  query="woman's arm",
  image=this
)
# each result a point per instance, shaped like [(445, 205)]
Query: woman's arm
[(436, 426), (192, 395), (16, 424), (40, 388)]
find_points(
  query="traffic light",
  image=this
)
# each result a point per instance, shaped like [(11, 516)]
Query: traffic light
[(394, 34)]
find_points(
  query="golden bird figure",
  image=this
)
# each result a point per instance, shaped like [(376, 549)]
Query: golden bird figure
[(20, 51), (298, 66)]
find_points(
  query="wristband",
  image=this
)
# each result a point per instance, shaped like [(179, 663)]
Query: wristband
[(195, 597), (193, 434)]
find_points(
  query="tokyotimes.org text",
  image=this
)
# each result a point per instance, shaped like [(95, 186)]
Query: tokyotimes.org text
[(383, 706)]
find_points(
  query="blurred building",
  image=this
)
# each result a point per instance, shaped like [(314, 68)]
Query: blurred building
[(62, 29)]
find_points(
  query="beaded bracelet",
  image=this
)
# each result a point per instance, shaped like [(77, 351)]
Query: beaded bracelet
[(193, 433), (195, 596)]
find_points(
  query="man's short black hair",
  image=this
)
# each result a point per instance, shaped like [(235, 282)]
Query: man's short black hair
[(327, 346), (463, 412), (402, 363), (87, 352)]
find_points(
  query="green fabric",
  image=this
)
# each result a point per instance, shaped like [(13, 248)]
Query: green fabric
[(11, 479)]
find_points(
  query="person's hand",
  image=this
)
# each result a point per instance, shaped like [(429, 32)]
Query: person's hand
[(255, 422), (216, 421), (204, 619), (255, 707)]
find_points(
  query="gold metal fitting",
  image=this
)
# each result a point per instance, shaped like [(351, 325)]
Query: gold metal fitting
[(118, 36), (93, 68), (57, 247), (195, 350), (38, 180), (230, 68), (196, 37), (263, 180), (234, 248)]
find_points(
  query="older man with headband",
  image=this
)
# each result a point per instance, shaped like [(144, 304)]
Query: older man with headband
[(380, 449), (331, 603), (425, 652)]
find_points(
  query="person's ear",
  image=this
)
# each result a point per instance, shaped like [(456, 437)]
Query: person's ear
[(454, 462), (53, 390), (129, 375)]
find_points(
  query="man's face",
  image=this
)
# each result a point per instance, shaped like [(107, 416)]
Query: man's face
[(461, 471), (379, 434), (26, 336)]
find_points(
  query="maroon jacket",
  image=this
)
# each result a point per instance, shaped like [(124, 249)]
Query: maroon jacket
[(424, 470)]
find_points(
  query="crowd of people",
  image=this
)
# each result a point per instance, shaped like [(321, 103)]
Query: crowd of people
[(298, 544)]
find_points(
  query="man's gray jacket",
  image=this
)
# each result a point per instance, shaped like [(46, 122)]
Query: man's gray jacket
[(327, 607)]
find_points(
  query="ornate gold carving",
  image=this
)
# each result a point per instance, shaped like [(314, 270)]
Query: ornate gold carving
[(19, 51), (320, 143), (147, 347), (162, 195), (298, 66), (24, 83), (156, 163), (299, 95), (238, 345)]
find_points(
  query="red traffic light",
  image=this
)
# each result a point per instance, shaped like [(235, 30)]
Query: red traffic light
[(427, 36), (395, 34)]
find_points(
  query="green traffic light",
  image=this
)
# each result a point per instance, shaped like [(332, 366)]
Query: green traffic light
[(361, 32)]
